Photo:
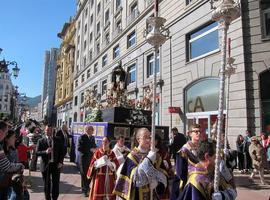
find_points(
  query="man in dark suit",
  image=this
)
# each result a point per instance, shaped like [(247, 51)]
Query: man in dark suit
[(86, 147), (179, 140), (64, 137), (52, 155)]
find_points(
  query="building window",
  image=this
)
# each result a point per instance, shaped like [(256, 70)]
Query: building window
[(82, 97), (79, 25), (98, 28), (103, 87), (131, 39), (98, 8), (88, 73), (85, 28), (95, 89), (95, 68), (75, 101), (78, 39), (265, 5), (85, 12), (203, 41), (107, 39), (84, 61), (151, 63), (84, 45), (188, 2), (104, 60), (90, 55), (92, 2), (78, 54), (116, 51), (98, 48), (131, 74), (82, 78), (107, 17), (91, 37), (76, 83), (91, 19), (118, 4)]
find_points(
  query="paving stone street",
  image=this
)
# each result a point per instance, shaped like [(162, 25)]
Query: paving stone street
[(71, 181)]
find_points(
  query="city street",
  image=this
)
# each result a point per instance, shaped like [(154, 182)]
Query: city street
[(70, 185)]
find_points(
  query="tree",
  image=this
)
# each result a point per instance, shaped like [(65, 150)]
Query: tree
[(94, 116)]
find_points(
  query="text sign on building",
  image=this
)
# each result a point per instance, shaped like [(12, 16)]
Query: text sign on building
[(203, 96), (174, 109)]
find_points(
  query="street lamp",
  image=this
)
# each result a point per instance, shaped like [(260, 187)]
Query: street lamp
[(4, 66), (225, 13)]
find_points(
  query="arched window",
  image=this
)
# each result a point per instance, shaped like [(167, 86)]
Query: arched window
[(202, 96)]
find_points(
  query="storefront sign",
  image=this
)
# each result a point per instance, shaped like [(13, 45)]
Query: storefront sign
[(174, 110)]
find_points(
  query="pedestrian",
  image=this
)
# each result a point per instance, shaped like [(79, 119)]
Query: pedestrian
[(178, 141), (186, 158), (86, 147), (102, 172), (139, 175), (200, 183), (240, 145), (34, 136), (248, 161), (7, 168), (51, 150), (256, 152), (64, 137)]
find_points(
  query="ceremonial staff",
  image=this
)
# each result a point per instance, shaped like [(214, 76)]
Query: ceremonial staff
[(155, 35), (225, 13)]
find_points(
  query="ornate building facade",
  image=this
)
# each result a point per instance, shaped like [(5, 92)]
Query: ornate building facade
[(64, 75)]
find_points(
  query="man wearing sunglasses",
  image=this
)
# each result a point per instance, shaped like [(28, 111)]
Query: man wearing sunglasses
[(186, 159)]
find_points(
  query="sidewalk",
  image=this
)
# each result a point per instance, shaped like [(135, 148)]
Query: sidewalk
[(248, 189), (70, 183)]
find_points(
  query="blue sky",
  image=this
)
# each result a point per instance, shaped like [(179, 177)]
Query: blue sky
[(27, 29)]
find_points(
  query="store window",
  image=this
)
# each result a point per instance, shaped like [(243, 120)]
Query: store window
[(202, 96), (203, 41)]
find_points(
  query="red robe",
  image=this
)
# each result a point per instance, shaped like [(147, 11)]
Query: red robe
[(98, 176)]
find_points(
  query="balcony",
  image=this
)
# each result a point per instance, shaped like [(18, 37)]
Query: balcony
[(133, 15)]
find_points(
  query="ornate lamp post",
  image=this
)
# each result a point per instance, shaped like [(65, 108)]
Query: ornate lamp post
[(156, 35), (4, 66), (225, 13)]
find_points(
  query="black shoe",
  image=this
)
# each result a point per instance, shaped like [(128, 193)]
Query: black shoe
[(86, 195)]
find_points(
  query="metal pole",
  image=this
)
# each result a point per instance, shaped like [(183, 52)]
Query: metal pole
[(154, 101), (224, 26), (227, 113)]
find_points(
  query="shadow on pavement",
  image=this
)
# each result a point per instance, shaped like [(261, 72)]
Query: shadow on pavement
[(248, 183)]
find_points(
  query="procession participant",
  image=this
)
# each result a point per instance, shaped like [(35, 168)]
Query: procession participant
[(186, 160), (102, 171), (200, 183), (86, 147), (51, 150), (120, 150), (139, 175)]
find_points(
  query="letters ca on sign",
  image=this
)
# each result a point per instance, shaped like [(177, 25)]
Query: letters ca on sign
[(196, 106)]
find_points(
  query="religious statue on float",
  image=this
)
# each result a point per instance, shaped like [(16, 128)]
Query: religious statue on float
[(116, 94)]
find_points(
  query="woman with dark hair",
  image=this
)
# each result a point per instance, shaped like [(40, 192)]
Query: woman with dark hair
[(240, 145), (9, 146)]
